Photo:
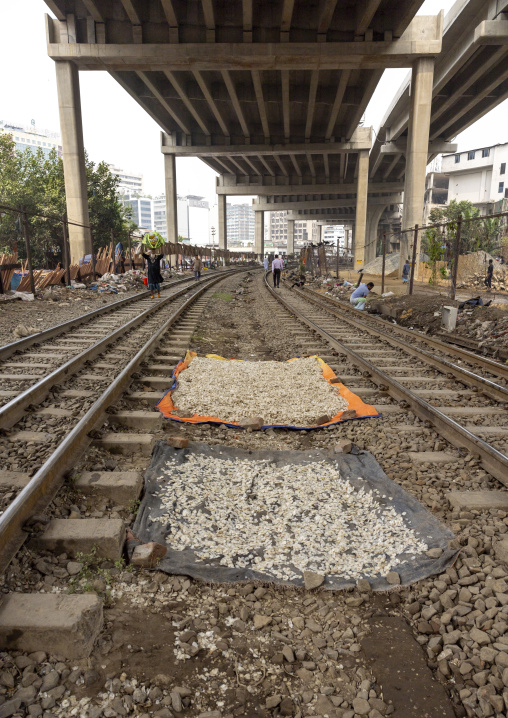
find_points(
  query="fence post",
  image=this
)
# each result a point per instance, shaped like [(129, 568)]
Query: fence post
[(93, 260), (130, 251), (337, 272), (28, 252), (66, 251), (383, 266), (456, 252), (413, 260)]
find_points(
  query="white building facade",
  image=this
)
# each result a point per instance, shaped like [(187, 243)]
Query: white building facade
[(141, 211), (240, 225), (130, 182), (479, 176), (30, 138)]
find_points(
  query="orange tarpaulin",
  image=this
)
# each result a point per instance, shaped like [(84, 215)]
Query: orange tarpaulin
[(363, 411)]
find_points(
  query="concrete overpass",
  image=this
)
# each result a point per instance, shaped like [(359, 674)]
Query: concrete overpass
[(470, 79), (270, 99)]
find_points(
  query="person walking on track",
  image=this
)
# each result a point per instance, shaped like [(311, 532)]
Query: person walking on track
[(277, 266), (198, 266), (265, 264)]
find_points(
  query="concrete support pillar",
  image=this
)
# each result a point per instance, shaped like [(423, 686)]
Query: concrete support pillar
[(374, 213), (362, 188), (71, 127), (291, 237), (223, 224), (259, 234), (422, 78), (171, 209)]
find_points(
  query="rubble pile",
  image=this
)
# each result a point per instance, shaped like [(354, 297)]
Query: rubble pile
[(499, 279)]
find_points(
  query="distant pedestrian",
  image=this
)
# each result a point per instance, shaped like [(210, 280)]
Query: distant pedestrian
[(490, 272), (119, 259), (360, 294), (153, 263), (277, 266), (198, 266), (265, 264), (406, 269)]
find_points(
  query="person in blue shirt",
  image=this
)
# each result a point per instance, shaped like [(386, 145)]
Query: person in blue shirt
[(360, 294), (119, 259)]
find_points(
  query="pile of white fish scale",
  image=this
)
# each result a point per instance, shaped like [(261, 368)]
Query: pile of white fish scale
[(281, 520), (292, 392)]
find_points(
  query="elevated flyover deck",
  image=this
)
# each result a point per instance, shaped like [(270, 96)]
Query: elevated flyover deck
[(470, 79), (269, 94)]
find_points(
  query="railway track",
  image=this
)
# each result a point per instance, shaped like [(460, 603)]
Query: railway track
[(441, 393), (54, 419)]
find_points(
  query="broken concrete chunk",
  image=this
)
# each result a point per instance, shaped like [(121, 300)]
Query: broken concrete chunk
[(343, 447), (312, 580), (148, 555), (393, 578), (324, 419), (251, 423), (177, 442), (349, 414)]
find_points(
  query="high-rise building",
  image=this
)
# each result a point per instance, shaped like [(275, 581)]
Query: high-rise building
[(141, 211), (277, 234), (159, 216), (130, 182), (240, 225), (30, 138)]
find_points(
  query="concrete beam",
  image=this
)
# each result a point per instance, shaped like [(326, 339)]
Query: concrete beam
[(491, 32), (360, 140), (399, 147), (259, 234), (223, 224), (337, 218), (238, 190), (171, 198), (421, 39), (323, 203)]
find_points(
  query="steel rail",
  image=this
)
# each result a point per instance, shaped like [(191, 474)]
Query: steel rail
[(11, 412), (492, 460), (485, 386), (42, 487), (8, 350), (489, 364)]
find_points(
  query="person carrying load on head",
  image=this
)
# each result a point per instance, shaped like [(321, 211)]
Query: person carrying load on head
[(359, 296), (153, 270), (152, 240)]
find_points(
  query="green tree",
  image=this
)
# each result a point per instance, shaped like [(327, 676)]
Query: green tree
[(34, 183), (476, 233)]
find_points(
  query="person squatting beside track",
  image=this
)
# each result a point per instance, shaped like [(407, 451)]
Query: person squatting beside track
[(360, 295), (277, 267)]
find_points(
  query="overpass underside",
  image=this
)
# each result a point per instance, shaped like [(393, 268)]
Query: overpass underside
[(268, 94)]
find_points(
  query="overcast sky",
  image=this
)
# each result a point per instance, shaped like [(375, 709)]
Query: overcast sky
[(117, 130)]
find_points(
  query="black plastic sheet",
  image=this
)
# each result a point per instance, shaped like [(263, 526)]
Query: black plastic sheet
[(425, 525)]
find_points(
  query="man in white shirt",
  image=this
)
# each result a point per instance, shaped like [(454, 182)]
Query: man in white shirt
[(265, 264), (360, 294), (277, 266)]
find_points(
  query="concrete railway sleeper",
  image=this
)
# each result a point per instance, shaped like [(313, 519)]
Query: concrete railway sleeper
[(381, 360), (478, 361), (87, 347), (60, 329), (37, 491)]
